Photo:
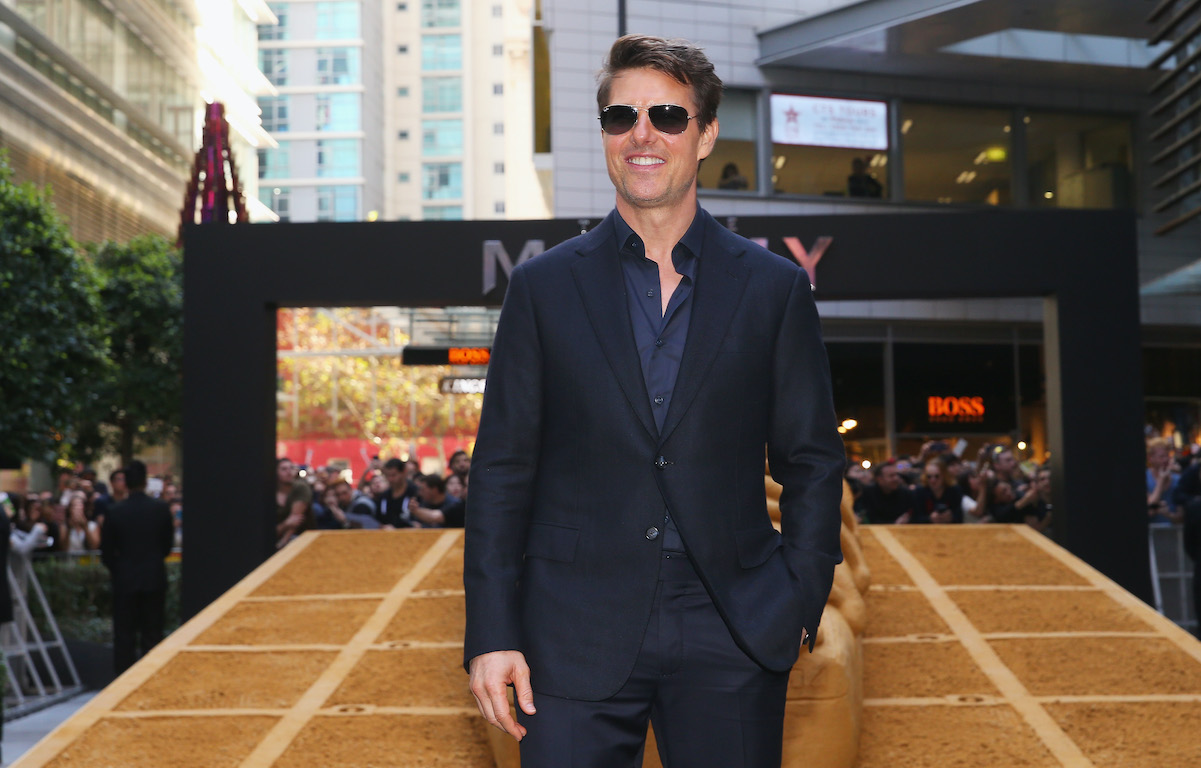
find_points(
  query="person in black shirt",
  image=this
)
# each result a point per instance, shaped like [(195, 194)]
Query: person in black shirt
[(393, 504), (888, 500), (433, 507), (936, 500), (138, 535)]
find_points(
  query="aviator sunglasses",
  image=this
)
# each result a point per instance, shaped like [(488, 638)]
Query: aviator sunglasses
[(616, 119)]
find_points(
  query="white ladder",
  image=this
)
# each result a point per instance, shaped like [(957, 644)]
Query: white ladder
[(32, 681)]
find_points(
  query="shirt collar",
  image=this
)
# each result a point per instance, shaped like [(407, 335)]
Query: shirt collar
[(692, 240)]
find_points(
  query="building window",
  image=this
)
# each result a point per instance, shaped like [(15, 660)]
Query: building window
[(498, 89), (498, 50), (442, 212), (402, 49), (403, 135), (403, 177), (339, 158), (499, 206), (339, 112), (442, 181), (735, 145), (823, 146), (402, 6), (956, 154), (498, 167), (338, 203), (277, 199), (273, 162), (339, 66), (441, 52), (498, 11), (441, 94), (275, 31), (439, 13), (275, 113), (540, 50), (498, 129), (274, 64), (441, 138), (337, 20), (402, 91), (1079, 161)]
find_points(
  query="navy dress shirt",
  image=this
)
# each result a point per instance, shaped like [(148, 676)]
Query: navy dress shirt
[(660, 336)]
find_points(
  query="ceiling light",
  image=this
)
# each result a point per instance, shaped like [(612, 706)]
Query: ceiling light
[(981, 158), (1048, 194), (1007, 129), (867, 464), (842, 430), (778, 162), (850, 424), (1022, 445), (905, 126)]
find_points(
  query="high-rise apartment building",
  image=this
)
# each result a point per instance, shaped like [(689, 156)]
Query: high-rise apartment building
[(103, 102), (412, 110), (324, 59)]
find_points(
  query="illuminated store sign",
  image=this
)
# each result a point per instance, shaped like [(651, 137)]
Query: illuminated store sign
[(816, 122), (446, 355), (955, 410)]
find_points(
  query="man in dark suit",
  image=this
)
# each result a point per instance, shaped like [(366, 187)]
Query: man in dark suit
[(620, 562), (137, 535)]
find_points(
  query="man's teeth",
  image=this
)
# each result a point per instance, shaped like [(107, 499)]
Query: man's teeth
[(646, 161)]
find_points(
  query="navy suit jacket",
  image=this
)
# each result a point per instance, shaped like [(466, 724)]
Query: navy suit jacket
[(569, 471)]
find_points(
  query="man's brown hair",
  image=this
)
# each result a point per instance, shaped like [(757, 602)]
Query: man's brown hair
[(677, 58)]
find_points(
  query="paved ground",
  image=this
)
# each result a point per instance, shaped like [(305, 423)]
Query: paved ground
[(24, 732)]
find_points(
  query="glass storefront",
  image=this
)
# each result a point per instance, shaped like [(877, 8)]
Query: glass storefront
[(963, 393)]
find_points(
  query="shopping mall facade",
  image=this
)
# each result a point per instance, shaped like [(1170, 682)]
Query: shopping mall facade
[(949, 106)]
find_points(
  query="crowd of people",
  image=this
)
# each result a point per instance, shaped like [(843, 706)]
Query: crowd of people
[(938, 486), (391, 494), (70, 519)]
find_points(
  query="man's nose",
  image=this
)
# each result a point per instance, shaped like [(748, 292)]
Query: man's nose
[(643, 131)]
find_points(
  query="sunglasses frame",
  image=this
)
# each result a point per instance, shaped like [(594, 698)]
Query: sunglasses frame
[(647, 110)]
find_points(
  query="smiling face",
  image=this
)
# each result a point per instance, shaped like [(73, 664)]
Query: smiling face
[(649, 168)]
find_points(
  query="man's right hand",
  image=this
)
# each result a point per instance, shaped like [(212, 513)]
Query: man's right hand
[(491, 674)]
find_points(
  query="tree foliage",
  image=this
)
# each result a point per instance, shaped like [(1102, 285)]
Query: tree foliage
[(141, 299), (54, 348)]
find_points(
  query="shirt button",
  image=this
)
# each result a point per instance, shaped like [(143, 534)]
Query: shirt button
[(652, 533), (650, 294), (658, 342), (658, 399)]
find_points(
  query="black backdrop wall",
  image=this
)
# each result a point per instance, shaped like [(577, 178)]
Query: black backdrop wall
[(1083, 263)]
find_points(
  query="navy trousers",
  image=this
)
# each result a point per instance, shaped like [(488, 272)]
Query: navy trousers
[(710, 705)]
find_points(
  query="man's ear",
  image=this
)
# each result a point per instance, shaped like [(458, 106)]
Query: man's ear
[(708, 139)]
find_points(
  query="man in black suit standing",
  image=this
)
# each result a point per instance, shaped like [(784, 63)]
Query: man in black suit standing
[(620, 561), (137, 535)]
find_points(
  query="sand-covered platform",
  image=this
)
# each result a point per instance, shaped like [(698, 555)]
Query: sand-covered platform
[(984, 646)]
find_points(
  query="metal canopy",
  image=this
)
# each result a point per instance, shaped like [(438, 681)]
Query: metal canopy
[(1081, 43)]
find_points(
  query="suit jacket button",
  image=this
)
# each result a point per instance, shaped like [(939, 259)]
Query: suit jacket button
[(652, 533), (661, 462)]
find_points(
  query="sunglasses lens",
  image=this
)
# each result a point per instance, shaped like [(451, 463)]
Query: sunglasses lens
[(617, 119), (669, 118)]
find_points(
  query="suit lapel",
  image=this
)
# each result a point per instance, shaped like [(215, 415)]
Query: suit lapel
[(720, 282), (602, 290)]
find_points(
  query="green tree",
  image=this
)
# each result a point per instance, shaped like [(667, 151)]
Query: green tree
[(52, 347), (141, 297)]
